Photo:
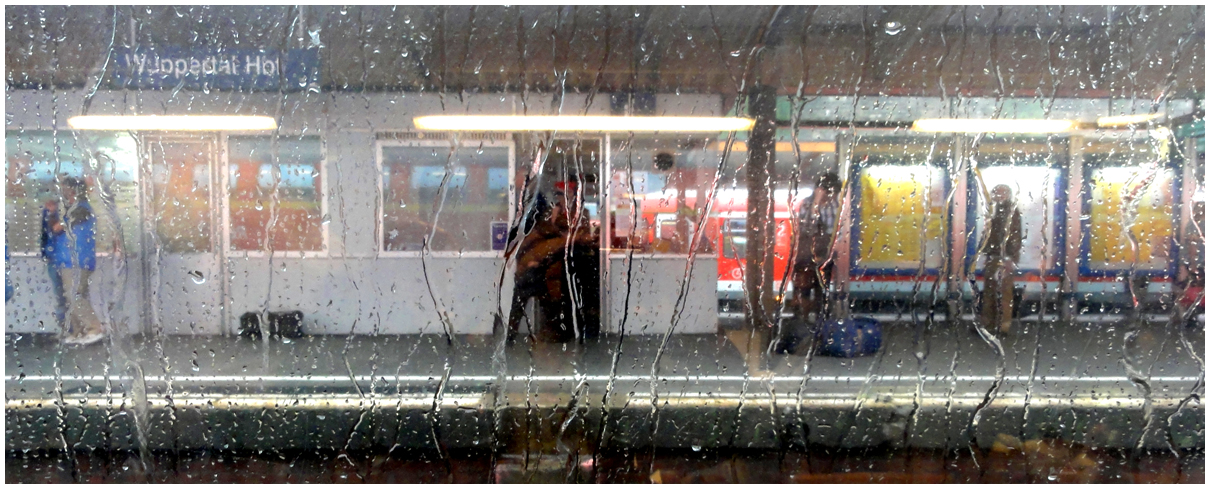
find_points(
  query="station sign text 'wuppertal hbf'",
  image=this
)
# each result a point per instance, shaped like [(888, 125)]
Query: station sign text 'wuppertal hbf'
[(216, 69)]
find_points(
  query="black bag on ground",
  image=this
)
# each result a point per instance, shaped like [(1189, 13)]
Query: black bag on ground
[(281, 324)]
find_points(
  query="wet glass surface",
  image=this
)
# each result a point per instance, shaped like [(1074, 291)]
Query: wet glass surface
[(690, 244)]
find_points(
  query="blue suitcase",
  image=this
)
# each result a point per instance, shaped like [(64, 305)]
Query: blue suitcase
[(850, 338)]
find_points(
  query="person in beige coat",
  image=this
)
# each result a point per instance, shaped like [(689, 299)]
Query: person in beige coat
[(1003, 250)]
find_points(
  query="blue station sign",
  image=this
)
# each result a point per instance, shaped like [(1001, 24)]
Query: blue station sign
[(215, 69)]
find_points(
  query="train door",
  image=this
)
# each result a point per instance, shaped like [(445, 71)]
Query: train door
[(180, 201)]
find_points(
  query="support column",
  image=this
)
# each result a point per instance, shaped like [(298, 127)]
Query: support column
[(842, 256), (959, 171), (605, 184), (1068, 301), (1189, 180), (758, 273)]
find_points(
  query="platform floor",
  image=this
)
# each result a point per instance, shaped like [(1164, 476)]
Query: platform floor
[(1045, 353), (1128, 383)]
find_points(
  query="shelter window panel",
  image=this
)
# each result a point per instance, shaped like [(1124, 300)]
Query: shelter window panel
[(454, 198), (179, 198), (275, 187), (900, 204), (656, 192), (35, 163), (1031, 169), (1131, 197)]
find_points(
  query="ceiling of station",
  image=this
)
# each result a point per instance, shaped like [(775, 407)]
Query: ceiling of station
[(1081, 51)]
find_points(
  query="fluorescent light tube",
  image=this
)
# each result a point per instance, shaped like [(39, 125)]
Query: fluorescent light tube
[(784, 146), (516, 123), (993, 125), (172, 123), (1125, 120)]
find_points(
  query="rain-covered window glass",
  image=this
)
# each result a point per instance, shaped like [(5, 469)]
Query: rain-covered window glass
[(276, 193), (620, 243), (452, 197)]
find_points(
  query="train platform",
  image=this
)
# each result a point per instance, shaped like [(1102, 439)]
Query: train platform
[(1113, 384)]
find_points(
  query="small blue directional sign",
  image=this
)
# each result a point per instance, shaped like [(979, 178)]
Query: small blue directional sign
[(499, 235)]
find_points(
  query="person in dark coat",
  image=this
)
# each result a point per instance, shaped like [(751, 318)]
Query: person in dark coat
[(1003, 250), (817, 220), (561, 244)]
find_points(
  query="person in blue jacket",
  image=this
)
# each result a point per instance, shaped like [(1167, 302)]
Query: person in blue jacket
[(70, 242), (50, 215), (8, 283)]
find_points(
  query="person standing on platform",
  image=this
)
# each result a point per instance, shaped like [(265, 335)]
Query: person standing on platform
[(562, 241), (8, 282), (50, 216), (1003, 250), (816, 230), (71, 245)]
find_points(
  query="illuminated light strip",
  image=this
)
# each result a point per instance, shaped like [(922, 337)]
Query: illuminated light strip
[(1126, 120), (575, 378), (783, 146), (744, 214), (516, 123), (183, 123), (479, 402), (1027, 126), (266, 401)]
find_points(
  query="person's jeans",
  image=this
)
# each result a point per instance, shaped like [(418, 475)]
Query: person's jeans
[(56, 288), (81, 317)]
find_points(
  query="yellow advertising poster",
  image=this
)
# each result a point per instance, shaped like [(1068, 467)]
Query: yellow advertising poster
[(1141, 198), (902, 211)]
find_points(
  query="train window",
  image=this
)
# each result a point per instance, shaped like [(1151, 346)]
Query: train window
[(276, 196), (657, 194), (734, 239), (448, 198)]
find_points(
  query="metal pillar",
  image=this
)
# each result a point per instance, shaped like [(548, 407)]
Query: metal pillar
[(1068, 301), (841, 256), (959, 171), (758, 276), (1189, 181), (605, 189)]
